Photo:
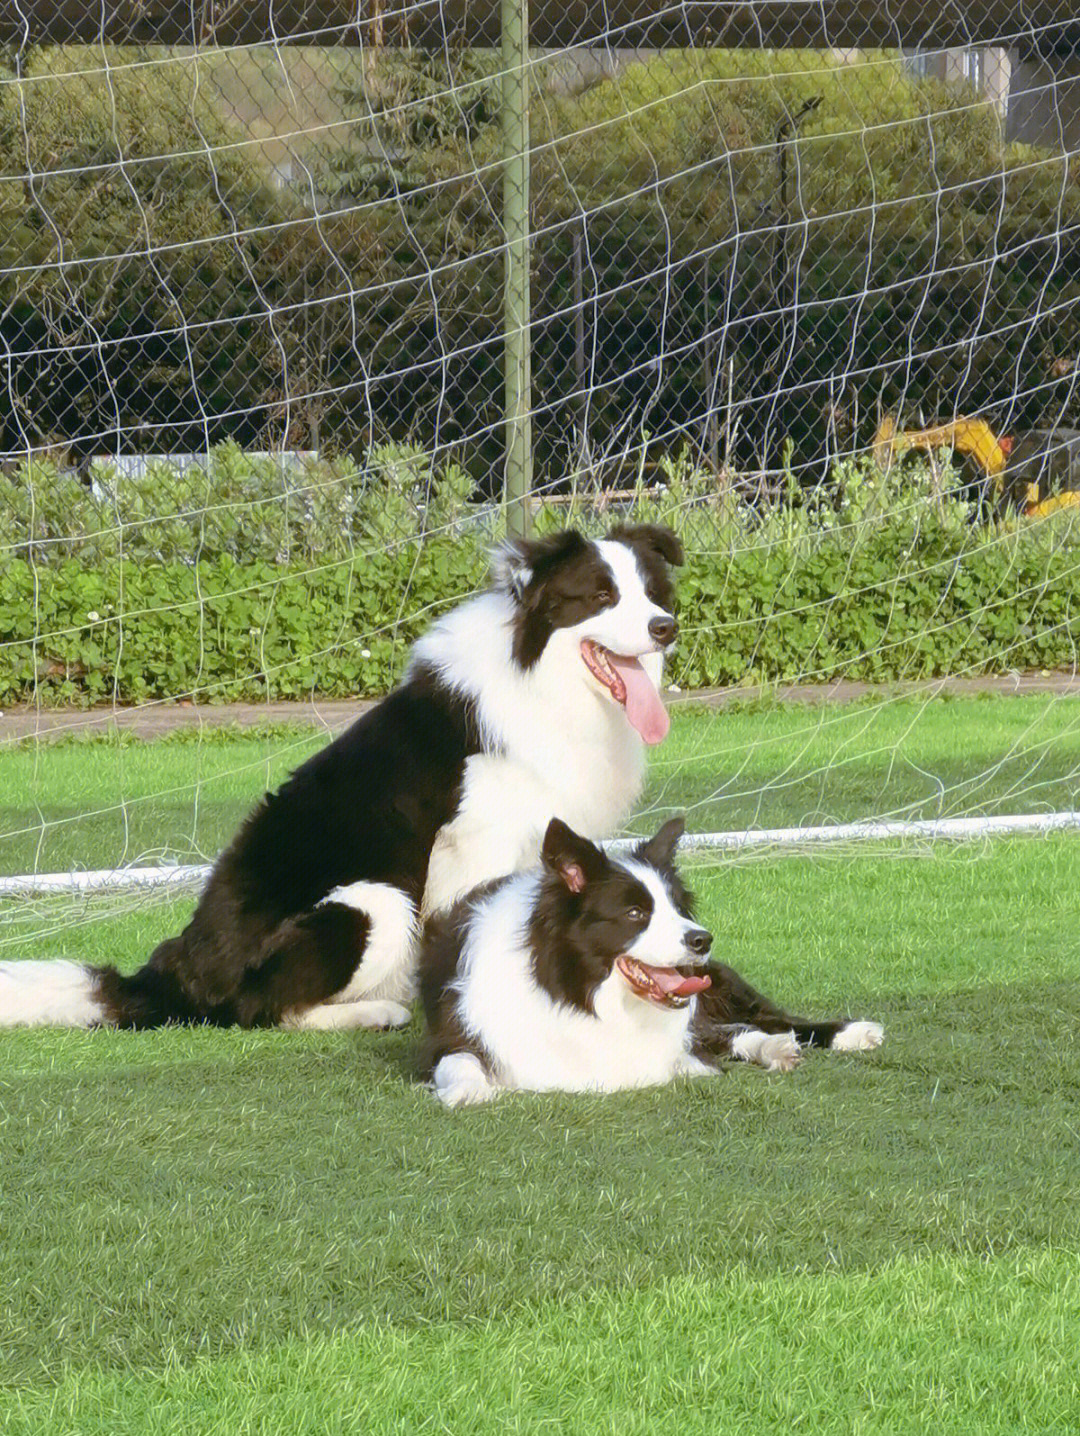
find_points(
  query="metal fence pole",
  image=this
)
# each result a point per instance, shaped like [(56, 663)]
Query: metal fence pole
[(517, 474)]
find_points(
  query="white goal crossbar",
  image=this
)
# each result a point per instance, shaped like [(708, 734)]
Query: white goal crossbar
[(955, 829)]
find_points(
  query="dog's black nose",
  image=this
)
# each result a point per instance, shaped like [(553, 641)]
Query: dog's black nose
[(663, 629), (698, 941)]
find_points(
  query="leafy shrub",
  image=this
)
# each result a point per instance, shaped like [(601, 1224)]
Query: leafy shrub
[(223, 629), (286, 600), (238, 506)]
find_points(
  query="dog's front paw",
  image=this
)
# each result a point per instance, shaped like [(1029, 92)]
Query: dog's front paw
[(858, 1037), (780, 1053), (385, 1013), (463, 1094), (461, 1081)]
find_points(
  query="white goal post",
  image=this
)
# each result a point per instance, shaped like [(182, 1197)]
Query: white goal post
[(185, 876)]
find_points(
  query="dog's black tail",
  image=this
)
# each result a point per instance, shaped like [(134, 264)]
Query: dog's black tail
[(730, 1002), (73, 994)]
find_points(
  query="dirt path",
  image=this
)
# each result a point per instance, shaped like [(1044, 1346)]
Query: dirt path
[(153, 720)]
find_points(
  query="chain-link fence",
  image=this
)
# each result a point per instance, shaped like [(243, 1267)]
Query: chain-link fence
[(299, 242), (359, 277)]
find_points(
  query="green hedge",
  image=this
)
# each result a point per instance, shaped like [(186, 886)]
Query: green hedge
[(221, 629), (889, 604), (889, 609)]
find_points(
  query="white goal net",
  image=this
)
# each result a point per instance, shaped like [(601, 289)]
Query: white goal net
[(799, 283)]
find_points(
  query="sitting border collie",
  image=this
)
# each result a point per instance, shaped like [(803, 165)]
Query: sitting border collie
[(589, 973), (531, 699)]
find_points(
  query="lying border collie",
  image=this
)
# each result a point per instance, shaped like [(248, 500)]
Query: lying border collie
[(589, 973), (531, 699)]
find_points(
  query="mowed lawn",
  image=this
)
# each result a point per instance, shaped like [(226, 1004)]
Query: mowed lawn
[(279, 1232), (113, 802)]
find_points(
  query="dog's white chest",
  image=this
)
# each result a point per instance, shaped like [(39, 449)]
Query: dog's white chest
[(555, 744), (545, 1047), (507, 802)]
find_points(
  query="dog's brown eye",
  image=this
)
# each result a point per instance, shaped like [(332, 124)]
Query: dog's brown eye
[(635, 914), (603, 595)]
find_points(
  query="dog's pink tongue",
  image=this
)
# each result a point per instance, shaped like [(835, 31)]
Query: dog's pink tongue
[(643, 706), (677, 984)]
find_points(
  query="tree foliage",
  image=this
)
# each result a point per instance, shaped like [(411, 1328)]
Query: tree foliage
[(156, 288)]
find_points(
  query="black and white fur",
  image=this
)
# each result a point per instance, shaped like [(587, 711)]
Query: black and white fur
[(589, 973), (510, 711)]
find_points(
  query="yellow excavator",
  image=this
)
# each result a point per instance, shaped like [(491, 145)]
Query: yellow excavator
[(1036, 474), (1046, 464), (1014, 474), (972, 437), (1052, 504)]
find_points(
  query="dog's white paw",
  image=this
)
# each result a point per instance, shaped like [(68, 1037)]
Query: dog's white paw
[(461, 1081), (384, 1013), (464, 1094), (858, 1037), (780, 1053), (342, 1016)]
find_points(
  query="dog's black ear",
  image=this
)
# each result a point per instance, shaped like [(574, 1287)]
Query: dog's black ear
[(516, 563), (660, 849), (651, 538), (571, 857)]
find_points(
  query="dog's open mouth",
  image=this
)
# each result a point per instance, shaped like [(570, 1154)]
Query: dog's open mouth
[(629, 685), (666, 986)]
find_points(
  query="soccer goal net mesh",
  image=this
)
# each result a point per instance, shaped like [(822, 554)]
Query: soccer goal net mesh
[(802, 284)]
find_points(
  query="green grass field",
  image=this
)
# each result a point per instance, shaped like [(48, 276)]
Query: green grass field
[(274, 1232), (104, 803)]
